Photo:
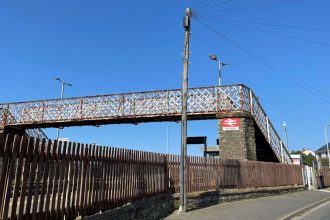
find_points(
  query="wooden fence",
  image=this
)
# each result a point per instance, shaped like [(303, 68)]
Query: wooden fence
[(213, 174), (42, 179), (324, 172), (48, 180)]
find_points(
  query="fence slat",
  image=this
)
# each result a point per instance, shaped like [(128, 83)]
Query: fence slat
[(5, 169), (43, 193), (66, 180), (11, 175), (26, 170), (80, 161), (108, 177), (62, 170), (21, 154), (32, 177), (72, 182), (36, 202), (50, 185)]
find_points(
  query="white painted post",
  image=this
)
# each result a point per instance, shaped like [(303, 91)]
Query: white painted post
[(282, 156), (251, 101), (308, 177), (267, 125), (216, 98), (313, 178)]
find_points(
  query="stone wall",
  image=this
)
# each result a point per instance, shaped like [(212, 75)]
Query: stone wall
[(161, 206), (205, 199), (149, 209), (239, 144)]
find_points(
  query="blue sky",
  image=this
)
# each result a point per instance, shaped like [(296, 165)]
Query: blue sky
[(105, 47)]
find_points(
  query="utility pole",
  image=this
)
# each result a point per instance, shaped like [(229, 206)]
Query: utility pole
[(327, 143), (168, 139), (219, 72), (183, 156)]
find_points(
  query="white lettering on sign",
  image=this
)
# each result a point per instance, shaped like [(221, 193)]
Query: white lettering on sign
[(230, 124)]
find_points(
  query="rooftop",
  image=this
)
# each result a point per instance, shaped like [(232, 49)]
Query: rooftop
[(322, 149)]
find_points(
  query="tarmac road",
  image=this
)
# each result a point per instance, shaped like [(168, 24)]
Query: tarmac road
[(265, 208), (320, 213)]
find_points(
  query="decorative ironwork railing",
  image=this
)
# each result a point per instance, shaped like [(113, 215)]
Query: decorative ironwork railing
[(163, 105), (33, 132), (36, 133)]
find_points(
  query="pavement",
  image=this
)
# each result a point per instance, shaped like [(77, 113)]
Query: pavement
[(300, 205)]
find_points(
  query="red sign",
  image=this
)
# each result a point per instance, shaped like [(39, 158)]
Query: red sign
[(230, 124)]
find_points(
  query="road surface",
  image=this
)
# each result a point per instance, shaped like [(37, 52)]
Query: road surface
[(265, 208), (321, 212)]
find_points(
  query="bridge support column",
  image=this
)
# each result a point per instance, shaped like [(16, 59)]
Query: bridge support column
[(237, 144)]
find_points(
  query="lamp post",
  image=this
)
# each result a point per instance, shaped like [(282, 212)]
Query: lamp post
[(327, 143), (63, 84), (215, 58), (286, 136), (168, 139)]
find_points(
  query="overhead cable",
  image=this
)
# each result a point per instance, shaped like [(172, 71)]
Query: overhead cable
[(270, 65)]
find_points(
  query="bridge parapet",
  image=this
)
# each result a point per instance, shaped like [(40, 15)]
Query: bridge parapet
[(165, 105)]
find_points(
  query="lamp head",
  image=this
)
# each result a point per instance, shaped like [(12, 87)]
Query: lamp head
[(213, 57)]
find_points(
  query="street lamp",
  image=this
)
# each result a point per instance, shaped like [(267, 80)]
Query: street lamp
[(63, 84), (215, 58), (327, 143), (286, 136)]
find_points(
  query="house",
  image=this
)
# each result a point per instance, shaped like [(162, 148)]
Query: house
[(322, 151), (296, 159)]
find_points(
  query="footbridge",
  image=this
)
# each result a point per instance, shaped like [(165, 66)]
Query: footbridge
[(217, 102)]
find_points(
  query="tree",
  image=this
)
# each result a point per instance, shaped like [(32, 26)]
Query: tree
[(308, 159), (296, 152)]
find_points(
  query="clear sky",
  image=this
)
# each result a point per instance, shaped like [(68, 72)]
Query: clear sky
[(105, 47)]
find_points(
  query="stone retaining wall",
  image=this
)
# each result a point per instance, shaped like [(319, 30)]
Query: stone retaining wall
[(161, 206), (149, 209), (205, 199)]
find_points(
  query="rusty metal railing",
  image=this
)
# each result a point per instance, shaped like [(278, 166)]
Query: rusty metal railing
[(36, 133), (165, 105), (33, 132)]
